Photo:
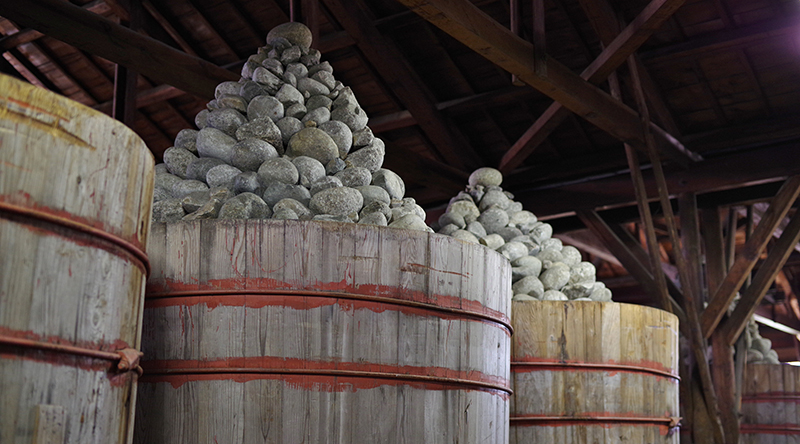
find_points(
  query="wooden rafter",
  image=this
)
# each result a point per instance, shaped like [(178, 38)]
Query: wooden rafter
[(733, 326), (98, 35), (405, 83), (746, 260), (616, 52)]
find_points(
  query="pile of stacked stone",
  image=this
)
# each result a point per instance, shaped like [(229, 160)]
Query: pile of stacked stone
[(542, 268), (759, 349), (288, 141)]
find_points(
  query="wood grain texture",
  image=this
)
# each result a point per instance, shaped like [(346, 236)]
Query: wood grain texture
[(290, 331), (75, 208), (575, 363), (770, 396)]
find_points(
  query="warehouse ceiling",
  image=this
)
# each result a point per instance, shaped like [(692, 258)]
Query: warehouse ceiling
[(450, 88)]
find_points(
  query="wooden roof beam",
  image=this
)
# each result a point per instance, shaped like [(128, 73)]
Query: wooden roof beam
[(406, 85), (764, 277), (745, 261), (100, 36), (616, 52)]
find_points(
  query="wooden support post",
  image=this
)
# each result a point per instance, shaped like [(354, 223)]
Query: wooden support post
[(715, 253), (730, 239), (724, 375), (745, 262), (692, 251), (539, 39), (764, 277)]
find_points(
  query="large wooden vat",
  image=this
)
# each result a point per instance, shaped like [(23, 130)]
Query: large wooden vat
[(75, 204), (593, 372), (770, 404), (321, 332)]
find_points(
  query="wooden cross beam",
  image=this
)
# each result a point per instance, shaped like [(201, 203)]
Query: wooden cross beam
[(100, 36), (745, 261)]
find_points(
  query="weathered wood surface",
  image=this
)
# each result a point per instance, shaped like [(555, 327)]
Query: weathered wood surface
[(291, 331), (75, 204), (593, 372), (770, 404)]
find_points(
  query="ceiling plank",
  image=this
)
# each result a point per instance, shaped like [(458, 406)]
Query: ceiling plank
[(752, 297), (98, 35), (404, 82), (618, 47), (746, 260)]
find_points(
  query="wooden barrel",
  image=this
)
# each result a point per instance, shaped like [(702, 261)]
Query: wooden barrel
[(321, 332), (770, 404), (593, 372), (75, 204)]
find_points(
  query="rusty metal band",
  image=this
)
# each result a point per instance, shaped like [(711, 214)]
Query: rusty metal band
[(596, 366), (767, 397), (333, 373), (771, 429), (137, 254), (336, 295), (557, 420), (126, 359)]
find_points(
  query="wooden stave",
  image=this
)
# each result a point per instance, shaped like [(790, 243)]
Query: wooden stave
[(162, 284), (578, 420), (770, 398), (98, 226)]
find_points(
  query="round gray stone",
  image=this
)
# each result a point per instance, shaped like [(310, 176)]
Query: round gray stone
[(493, 219), (452, 218), (249, 154), (212, 142), (185, 187), (233, 101), (493, 241), (553, 243), (530, 267), (194, 201), (265, 106), (541, 232), (310, 170), (468, 210), (391, 182), (354, 177), (355, 119), (530, 285), (250, 89), (486, 177), (377, 206), (572, 256), (294, 32), (279, 191), (372, 193), (583, 273), (291, 55), (493, 198), (340, 133), (298, 70), (247, 182), (160, 194), (201, 118), (264, 129), (373, 219), (334, 166), (369, 158), (513, 250), (318, 116), (297, 110), (508, 233), (267, 79), (521, 217), (465, 236), (187, 139), (222, 176), (310, 87), (277, 169), (314, 143), (299, 209), (289, 95), (285, 214), (448, 229), (409, 222), (245, 206), (325, 78), (177, 160), (168, 210), (315, 102), (224, 88), (273, 65), (337, 201), (312, 58), (362, 137), (476, 228), (554, 295), (198, 169), (288, 127), (323, 66), (324, 183), (555, 277), (346, 100)]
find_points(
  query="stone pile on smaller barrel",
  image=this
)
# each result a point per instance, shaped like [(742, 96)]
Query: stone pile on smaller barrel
[(759, 349), (288, 141), (543, 268)]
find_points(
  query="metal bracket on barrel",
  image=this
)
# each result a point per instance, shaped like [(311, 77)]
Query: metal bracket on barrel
[(127, 359)]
